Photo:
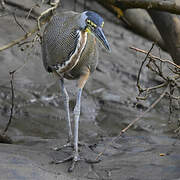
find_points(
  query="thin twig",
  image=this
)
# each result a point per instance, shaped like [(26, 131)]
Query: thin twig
[(14, 15), (171, 92), (150, 89), (139, 73), (29, 13), (22, 6), (12, 96), (12, 102), (36, 29), (173, 97), (133, 122), (18, 40), (159, 72), (155, 57), (51, 9), (27, 35), (177, 130)]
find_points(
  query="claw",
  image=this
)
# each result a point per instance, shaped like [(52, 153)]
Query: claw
[(74, 158), (69, 144), (71, 168), (90, 161), (64, 146), (64, 160)]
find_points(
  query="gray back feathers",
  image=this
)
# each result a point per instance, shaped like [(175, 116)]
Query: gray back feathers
[(60, 39)]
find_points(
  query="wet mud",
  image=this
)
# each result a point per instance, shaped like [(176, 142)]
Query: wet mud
[(147, 151)]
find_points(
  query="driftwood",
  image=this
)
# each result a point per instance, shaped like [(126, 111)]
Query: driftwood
[(140, 22), (167, 31), (172, 6), (169, 28)]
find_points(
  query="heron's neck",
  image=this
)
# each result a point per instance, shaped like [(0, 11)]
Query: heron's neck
[(82, 21)]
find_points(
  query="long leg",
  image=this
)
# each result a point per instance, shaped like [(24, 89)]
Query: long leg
[(75, 156), (83, 79), (66, 105)]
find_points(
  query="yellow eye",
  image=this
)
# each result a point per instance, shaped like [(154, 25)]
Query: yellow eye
[(89, 22), (93, 25)]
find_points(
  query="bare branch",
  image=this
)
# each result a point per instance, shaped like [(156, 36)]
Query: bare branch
[(156, 69), (19, 40), (54, 5), (150, 89), (12, 102), (133, 122), (165, 25), (173, 97), (17, 22), (161, 5), (29, 14), (36, 29), (139, 73), (22, 7), (155, 57), (172, 80), (171, 6)]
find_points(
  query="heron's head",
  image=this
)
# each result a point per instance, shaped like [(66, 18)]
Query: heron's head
[(93, 23)]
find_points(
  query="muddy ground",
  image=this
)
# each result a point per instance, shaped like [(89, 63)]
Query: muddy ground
[(148, 151)]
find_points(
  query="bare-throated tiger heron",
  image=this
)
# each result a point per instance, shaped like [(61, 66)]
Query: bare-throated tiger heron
[(70, 51)]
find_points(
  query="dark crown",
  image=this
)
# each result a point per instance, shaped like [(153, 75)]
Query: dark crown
[(95, 18)]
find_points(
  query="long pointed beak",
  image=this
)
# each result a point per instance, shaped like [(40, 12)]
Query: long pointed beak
[(98, 32)]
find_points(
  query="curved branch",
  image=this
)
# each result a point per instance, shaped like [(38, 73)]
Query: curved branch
[(133, 122), (171, 6), (18, 40), (155, 57), (46, 15)]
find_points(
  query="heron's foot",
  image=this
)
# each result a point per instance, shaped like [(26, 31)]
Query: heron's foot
[(92, 161), (74, 158), (69, 144)]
